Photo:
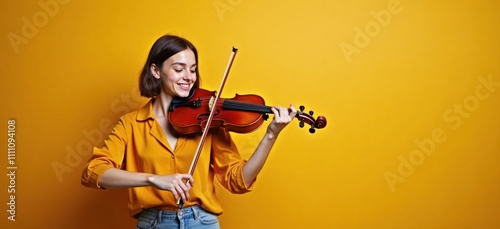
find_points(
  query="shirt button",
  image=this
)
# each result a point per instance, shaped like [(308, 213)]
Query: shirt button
[(172, 156)]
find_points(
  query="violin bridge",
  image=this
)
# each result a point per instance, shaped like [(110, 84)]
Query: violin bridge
[(211, 103)]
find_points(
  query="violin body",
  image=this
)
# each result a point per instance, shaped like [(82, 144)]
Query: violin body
[(241, 114), (191, 116)]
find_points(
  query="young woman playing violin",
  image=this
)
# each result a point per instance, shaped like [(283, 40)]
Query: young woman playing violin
[(146, 155)]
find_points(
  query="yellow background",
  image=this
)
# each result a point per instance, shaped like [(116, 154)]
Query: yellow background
[(403, 79)]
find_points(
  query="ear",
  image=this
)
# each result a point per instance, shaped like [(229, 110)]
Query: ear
[(155, 70)]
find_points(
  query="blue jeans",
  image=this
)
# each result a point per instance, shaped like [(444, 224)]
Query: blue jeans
[(186, 218)]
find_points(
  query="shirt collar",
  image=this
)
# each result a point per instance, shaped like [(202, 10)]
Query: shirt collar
[(146, 112)]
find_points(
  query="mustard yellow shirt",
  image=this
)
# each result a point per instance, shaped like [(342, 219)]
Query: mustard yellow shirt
[(137, 144)]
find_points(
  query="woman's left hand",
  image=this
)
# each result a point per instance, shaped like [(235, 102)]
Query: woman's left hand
[(282, 116)]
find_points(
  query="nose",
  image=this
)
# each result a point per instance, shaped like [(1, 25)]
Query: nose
[(190, 75)]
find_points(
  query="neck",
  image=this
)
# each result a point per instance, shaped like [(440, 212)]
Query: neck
[(161, 105)]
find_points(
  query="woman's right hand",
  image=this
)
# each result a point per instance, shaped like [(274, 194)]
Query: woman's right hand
[(173, 183)]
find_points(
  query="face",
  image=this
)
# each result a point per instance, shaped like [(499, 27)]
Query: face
[(178, 73)]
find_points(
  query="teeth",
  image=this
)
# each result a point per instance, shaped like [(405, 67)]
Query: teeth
[(184, 85)]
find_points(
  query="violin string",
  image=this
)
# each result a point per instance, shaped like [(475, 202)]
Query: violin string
[(238, 105)]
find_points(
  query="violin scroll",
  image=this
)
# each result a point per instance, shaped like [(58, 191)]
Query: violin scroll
[(318, 123)]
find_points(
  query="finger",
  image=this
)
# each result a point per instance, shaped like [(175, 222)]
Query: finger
[(187, 177), (185, 187), (275, 111), (174, 192), (292, 110), (280, 111), (181, 187), (284, 116), (189, 184), (181, 193), (191, 181)]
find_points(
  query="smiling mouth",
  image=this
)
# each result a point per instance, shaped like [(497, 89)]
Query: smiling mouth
[(184, 86)]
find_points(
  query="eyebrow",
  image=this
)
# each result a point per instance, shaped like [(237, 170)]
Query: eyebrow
[(184, 64)]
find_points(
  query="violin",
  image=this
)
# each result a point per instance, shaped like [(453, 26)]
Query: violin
[(203, 110), (240, 114)]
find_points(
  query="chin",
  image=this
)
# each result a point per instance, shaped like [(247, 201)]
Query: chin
[(183, 94)]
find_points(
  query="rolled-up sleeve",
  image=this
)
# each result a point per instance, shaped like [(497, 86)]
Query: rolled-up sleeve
[(228, 163), (110, 155)]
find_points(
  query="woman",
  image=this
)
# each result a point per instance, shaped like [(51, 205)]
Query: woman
[(144, 154)]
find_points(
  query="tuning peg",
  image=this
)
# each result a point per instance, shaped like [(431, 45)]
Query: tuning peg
[(301, 108), (312, 130), (311, 113), (301, 123), (265, 117)]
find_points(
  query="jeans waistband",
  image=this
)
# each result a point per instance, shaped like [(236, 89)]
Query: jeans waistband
[(189, 212)]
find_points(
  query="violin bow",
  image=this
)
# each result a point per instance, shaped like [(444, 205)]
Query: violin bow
[(209, 120)]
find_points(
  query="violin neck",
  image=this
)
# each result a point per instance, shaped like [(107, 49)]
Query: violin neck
[(244, 106)]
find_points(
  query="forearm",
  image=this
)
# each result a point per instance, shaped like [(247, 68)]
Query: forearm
[(116, 178), (256, 162)]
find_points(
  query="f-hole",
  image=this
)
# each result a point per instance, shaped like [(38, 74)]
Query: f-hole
[(200, 116)]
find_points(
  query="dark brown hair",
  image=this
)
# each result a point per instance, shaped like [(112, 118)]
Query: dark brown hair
[(165, 47)]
